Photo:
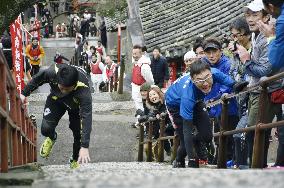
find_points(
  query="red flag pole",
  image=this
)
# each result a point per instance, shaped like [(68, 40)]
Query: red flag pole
[(118, 43)]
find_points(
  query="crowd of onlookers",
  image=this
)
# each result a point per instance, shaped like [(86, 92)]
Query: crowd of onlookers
[(41, 19), (215, 67)]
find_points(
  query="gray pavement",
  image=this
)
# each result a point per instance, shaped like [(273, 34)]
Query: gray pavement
[(154, 175)]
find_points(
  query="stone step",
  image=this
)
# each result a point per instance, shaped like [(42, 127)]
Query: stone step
[(110, 141), (154, 175)]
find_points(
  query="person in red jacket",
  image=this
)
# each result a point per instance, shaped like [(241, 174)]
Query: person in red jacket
[(97, 68), (141, 73)]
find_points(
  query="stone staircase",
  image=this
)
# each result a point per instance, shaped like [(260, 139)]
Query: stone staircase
[(65, 46)]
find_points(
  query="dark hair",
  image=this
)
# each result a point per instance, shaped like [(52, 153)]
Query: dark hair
[(264, 12), (34, 38), (86, 42), (158, 91), (67, 75), (212, 40), (198, 66), (198, 43), (144, 49), (240, 24), (277, 3), (157, 48), (136, 46), (93, 47)]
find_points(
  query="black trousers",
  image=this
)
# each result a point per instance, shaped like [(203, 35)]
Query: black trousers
[(35, 70), (240, 151), (203, 132), (53, 112)]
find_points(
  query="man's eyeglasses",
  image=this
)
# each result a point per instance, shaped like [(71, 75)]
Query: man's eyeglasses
[(201, 82), (235, 35)]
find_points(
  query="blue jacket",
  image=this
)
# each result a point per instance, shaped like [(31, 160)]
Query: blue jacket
[(276, 47), (191, 94), (218, 89), (173, 93)]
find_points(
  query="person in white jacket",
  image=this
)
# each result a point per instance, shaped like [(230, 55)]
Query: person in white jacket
[(141, 73)]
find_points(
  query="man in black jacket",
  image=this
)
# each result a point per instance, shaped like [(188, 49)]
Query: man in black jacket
[(69, 92), (159, 68)]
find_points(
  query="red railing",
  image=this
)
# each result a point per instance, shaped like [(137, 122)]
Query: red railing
[(18, 133)]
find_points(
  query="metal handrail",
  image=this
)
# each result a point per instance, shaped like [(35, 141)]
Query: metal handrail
[(20, 147)]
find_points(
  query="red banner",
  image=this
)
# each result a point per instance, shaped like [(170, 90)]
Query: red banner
[(17, 52)]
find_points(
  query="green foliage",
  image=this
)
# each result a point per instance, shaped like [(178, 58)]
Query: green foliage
[(10, 10), (111, 8)]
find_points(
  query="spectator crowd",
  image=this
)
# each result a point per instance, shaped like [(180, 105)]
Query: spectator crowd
[(216, 67)]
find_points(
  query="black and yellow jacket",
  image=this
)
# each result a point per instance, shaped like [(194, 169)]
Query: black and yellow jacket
[(80, 98)]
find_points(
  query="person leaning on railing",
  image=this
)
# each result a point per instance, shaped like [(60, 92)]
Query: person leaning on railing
[(191, 105), (257, 65), (275, 35), (156, 104)]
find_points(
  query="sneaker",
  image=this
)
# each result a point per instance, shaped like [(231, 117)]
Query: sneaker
[(73, 164), (46, 147), (178, 164), (193, 163)]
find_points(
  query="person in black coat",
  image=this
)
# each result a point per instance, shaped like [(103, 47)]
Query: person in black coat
[(159, 68)]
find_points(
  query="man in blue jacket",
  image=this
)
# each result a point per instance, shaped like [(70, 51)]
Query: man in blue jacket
[(172, 100), (191, 93), (216, 59)]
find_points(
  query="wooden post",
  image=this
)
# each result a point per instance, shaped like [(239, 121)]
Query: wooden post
[(118, 56), (20, 148), (259, 136), (4, 145), (15, 147), (222, 156), (149, 145), (161, 142), (121, 74), (141, 140), (3, 121), (175, 147)]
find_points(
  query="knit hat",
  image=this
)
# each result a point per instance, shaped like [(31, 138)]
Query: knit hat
[(189, 55), (67, 75), (145, 87)]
